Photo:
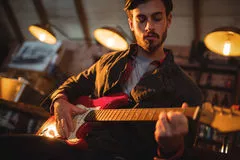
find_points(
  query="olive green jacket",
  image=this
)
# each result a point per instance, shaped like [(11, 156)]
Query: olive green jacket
[(166, 86)]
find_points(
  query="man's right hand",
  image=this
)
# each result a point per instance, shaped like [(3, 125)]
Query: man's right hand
[(64, 112)]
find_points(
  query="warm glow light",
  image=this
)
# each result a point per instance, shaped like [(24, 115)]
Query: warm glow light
[(226, 48), (10, 89), (222, 149), (42, 37), (42, 34), (110, 39), (49, 129), (226, 150), (224, 41), (110, 42)]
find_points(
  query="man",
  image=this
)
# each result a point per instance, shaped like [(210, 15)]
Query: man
[(148, 74)]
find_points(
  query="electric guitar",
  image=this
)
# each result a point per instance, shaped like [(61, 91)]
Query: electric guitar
[(105, 109)]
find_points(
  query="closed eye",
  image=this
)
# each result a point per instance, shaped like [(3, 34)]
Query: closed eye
[(141, 18), (157, 16)]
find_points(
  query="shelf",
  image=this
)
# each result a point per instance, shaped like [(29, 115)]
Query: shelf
[(216, 88), (190, 67), (212, 69)]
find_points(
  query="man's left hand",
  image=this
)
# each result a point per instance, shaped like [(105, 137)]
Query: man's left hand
[(170, 130)]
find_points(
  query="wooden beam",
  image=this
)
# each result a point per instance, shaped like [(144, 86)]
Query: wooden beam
[(83, 21), (13, 20), (42, 14), (196, 20), (41, 11)]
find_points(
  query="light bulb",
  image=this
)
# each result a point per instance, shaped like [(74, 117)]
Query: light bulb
[(226, 48), (110, 42), (42, 37)]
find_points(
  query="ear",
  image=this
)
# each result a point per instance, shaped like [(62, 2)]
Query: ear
[(169, 20), (130, 22)]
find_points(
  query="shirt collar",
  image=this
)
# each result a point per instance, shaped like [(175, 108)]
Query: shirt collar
[(168, 53)]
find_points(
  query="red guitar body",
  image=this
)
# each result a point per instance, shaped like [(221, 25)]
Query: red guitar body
[(82, 128)]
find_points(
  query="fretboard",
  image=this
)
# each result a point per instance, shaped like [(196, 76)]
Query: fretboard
[(140, 114)]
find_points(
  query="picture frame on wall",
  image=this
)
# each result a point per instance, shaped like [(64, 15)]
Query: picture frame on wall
[(34, 56)]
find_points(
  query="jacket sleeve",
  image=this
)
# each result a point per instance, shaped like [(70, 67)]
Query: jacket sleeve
[(73, 87), (84, 84)]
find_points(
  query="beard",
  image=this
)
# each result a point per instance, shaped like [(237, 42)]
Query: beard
[(151, 45)]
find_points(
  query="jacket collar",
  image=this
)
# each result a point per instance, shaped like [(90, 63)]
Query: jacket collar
[(132, 52)]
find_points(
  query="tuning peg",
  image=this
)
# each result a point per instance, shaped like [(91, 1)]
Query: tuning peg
[(221, 110), (208, 106), (231, 112)]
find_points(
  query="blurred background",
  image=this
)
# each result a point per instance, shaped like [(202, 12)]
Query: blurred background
[(31, 69)]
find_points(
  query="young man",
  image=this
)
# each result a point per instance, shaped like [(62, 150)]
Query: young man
[(148, 74)]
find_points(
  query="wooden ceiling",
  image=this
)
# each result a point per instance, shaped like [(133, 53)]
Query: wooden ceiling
[(192, 19)]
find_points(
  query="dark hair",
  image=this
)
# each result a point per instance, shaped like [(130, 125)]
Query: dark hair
[(132, 4)]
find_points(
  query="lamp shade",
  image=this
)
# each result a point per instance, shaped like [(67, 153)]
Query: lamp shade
[(111, 38), (42, 33), (224, 41)]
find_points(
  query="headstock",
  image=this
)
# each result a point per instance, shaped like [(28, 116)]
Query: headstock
[(222, 119)]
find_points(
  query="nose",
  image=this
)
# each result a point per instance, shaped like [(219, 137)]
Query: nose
[(149, 26)]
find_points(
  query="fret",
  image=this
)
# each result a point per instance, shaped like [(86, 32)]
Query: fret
[(149, 114), (120, 115), (156, 115), (139, 113), (100, 114), (143, 114), (112, 114), (106, 114), (116, 114), (136, 114), (131, 113), (153, 113), (125, 115)]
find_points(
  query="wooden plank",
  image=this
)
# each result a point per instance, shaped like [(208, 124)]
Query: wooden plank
[(30, 109), (42, 14), (13, 20), (196, 20), (83, 21), (41, 11)]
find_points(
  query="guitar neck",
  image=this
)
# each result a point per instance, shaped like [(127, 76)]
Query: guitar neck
[(140, 114)]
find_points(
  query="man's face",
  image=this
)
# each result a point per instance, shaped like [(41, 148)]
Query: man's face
[(149, 24)]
